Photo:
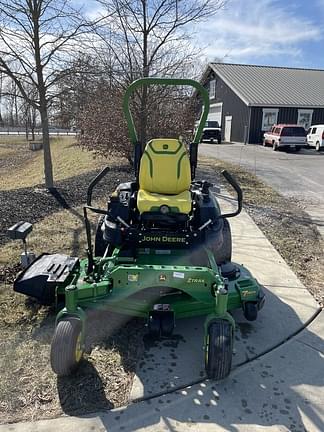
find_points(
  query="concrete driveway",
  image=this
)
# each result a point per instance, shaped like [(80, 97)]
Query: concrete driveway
[(299, 175)]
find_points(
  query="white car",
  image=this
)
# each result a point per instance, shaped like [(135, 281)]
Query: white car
[(315, 137)]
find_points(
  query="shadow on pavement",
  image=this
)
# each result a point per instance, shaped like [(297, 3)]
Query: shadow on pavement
[(278, 389)]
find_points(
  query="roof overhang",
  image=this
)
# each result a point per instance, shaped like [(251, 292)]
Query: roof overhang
[(259, 105)]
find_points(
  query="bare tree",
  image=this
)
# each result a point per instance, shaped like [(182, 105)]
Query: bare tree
[(102, 123), (76, 88), (151, 38), (104, 127), (36, 41)]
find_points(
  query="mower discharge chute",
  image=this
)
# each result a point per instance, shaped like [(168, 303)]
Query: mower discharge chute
[(162, 252)]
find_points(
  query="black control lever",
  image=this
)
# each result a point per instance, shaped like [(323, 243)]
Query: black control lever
[(239, 192), (93, 183)]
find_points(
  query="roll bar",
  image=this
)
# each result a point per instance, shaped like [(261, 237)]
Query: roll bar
[(166, 82)]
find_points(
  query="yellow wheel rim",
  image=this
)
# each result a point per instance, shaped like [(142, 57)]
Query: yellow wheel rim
[(78, 349)]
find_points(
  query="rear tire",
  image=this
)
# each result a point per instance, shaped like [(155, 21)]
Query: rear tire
[(264, 143), (223, 254), (317, 146), (219, 350), (66, 349), (274, 146)]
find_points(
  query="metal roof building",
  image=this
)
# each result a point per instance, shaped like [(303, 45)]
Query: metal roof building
[(247, 99)]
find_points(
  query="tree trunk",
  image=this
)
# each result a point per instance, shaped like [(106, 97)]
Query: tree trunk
[(16, 106), (48, 168), (32, 121), (41, 87), (145, 71), (143, 118), (1, 119), (26, 129)]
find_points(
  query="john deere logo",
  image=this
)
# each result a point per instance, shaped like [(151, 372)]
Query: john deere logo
[(164, 239), (162, 278)]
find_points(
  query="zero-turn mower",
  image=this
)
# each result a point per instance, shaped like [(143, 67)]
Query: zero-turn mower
[(162, 252)]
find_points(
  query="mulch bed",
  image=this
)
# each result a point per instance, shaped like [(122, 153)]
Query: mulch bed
[(33, 204)]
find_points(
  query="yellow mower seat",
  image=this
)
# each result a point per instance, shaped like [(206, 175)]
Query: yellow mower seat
[(147, 201), (164, 177)]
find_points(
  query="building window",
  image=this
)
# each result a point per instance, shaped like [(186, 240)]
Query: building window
[(212, 89), (269, 118), (305, 117)]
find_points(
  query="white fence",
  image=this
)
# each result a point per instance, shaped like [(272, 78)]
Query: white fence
[(38, 133)]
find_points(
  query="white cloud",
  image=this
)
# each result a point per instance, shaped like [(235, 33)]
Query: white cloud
[(264, 28)]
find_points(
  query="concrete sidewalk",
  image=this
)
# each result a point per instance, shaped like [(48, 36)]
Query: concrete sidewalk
[(170, 364), (278, 381), (281, 391)]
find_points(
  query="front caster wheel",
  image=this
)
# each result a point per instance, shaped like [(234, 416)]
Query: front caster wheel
[(66, 347), (250, 311), (219, 350)]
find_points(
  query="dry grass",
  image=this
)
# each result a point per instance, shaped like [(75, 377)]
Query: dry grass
[(68, 160), (9, 145), (28, 387)]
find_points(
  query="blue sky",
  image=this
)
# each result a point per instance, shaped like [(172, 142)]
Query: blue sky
[(265, 32)]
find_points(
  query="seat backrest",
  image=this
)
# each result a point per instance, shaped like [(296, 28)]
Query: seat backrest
[(165, 167)]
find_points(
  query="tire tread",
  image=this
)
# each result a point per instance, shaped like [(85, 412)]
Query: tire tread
[(219, 355), (63, 346)]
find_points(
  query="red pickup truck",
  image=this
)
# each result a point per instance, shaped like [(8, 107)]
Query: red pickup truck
[(285, 136)]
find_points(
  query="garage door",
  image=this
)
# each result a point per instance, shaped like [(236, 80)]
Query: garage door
[(215, 113)]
